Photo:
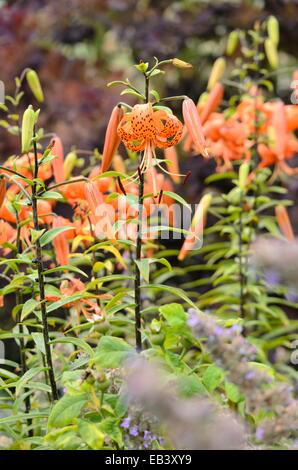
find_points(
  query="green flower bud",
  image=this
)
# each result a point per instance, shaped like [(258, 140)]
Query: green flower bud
[(180, 64), (69, 163), (34, 85), (271, 53), (217, 72), (273, 29), (28, 122), (142, 67), (243, 175), (232, 43)]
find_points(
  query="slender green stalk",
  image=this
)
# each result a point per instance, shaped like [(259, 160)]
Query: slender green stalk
[(19, 301), (137, 283), (39, 262)]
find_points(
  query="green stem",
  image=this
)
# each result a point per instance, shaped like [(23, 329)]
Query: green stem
[(39, 262), (138, 300), (19, 301)]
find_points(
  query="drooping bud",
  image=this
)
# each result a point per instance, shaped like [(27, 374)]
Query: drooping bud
[(34, 85), (69, 164), (180, 64), (194, 126), (271, 53), (58, 162), (112, 140), (28, 122), (284, 222), (232, 43), (212, 102), (273, 29), (197, 225), (217, 72)]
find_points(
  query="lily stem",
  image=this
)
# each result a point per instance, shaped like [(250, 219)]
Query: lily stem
[(39, 262), (138, 258)]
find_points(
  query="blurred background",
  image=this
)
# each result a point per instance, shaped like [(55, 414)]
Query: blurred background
[(77, 46)]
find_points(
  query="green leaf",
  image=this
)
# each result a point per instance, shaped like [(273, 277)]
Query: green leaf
[(232, 392), (144, 268), (177, 198), (190, 385), (155, 94), (174, 314), (48, 236), (173, 290), (51, 195), (78, 342), (28, 308), (112, 351), (66, 410), (129, 91), (110, 427), (212, 378), (39, 341), (91, 434), (66, 267)]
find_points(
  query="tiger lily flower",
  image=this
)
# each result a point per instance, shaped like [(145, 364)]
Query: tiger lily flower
[(112, 140), (284, 222), (213, 101), (58, 162), (194, 126), (196, 228), (145, 129)]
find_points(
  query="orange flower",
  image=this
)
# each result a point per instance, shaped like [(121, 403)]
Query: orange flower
[(58, 162), (284, 222), (144, 129), (213, 101), (7, 232), (60, 242), (194, 126), (112, 140)]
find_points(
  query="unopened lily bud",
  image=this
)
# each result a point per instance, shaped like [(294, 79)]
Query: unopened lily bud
[(232, 43), (243, 175), (284, 222), (28, 122), (271, 53), (180, 64), (214, 98), (273, 29), (2, 190), (197, 225), (69, 164), (217, 72), (34, 85), (58, 162), (194, 126), (112, 140)]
